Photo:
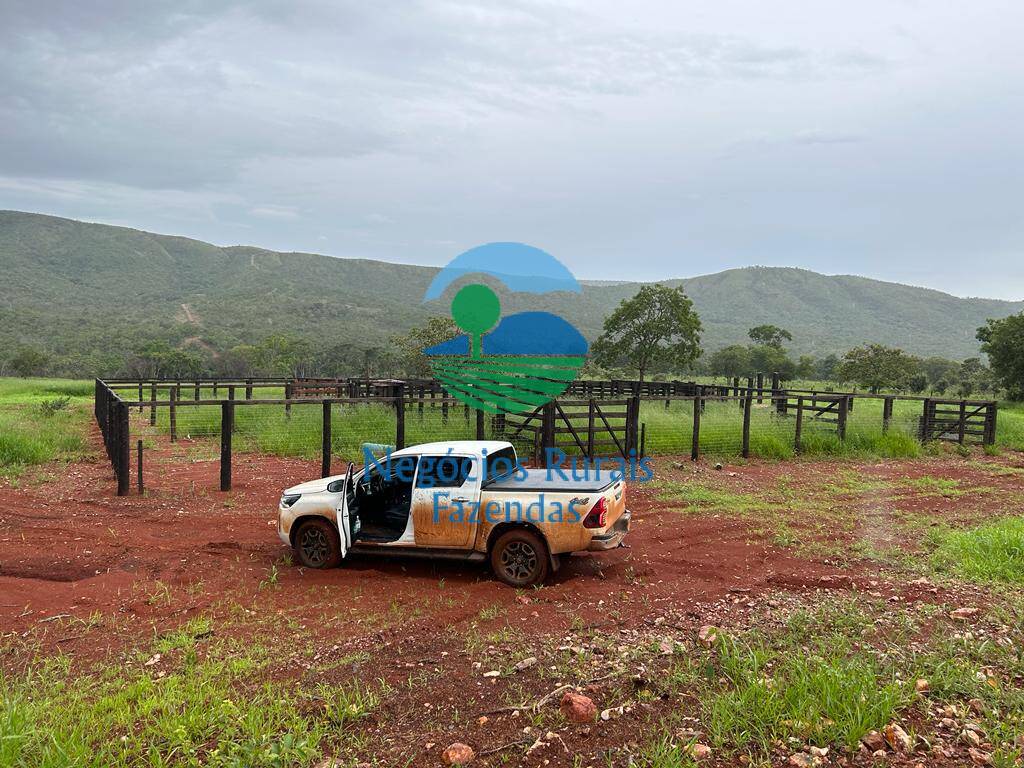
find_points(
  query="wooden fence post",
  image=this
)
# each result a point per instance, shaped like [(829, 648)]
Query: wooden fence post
[(152, 407), (886, 413), (962, 431), (172, 413), (325, 462), (989, 437), (547, 427), (760, 388), (844, 404), (748, 401), (926, 425), (798, 436), (227, 426), (248, 389), (398, 395), (196, 393), (695, 436), (287, 400), (124, 456), (590, 429), (479, 424), (142, 485), (142, 396)]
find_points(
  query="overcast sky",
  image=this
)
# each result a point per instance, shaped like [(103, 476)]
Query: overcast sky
[(632, 140)]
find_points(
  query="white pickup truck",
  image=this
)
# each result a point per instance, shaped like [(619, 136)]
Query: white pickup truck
[(467, 499)]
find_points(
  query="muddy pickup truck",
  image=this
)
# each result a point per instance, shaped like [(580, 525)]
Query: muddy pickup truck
[(467, 500)]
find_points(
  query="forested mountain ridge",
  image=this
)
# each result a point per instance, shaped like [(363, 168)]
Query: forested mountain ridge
[(89, 294)]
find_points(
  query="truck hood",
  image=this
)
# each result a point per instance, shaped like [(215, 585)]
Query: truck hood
[(313, 486)]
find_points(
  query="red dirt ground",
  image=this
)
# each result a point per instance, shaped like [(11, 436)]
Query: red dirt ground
[(71, 549)]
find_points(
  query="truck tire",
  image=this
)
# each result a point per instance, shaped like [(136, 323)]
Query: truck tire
[(520, 558), (317, 544)]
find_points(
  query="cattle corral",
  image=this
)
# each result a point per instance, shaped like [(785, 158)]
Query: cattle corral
[(333, 418)]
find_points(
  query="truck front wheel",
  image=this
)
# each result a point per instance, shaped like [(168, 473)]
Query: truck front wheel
[(520, 558), (317, 544)]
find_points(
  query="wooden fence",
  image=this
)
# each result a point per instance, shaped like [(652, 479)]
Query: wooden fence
[(604, 423)]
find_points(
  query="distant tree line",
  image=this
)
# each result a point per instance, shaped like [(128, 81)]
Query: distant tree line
[(656, 333)]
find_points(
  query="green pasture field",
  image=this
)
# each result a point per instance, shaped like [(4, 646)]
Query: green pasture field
[(42, 420)]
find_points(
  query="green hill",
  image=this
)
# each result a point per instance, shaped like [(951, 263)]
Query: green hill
[(89, 293)]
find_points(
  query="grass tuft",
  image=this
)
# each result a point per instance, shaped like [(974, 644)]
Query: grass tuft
[(993, 552)]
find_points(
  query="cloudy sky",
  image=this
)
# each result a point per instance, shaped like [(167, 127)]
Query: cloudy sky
[(637, 140)]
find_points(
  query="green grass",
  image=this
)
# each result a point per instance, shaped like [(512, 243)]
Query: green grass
[(827, 675), (827, 694), (993, 552), (196, 706), (29, 435), (772, 435)]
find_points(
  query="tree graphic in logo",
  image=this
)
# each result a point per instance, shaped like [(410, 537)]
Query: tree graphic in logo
[(512, 364)]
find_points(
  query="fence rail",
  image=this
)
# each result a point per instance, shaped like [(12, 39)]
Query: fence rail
[(593, 419)]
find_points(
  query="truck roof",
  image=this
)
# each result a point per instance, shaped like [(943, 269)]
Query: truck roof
[(476, 447)]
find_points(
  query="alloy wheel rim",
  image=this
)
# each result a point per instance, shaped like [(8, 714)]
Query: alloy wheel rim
[(519, 560), (314, 546)]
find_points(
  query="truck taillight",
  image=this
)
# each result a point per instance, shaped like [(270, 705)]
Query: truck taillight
[(598, 516)]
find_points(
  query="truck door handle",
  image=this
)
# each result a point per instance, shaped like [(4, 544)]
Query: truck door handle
[(462, 499)]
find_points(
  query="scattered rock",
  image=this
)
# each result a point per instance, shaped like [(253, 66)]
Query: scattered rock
[(962, 614), (526, 663), (897, 738), (819, 752), (154, 659), (699, 751), (458, 754), (878, 754), (802, 760), (492, 673), (874, 741), (977, 706), (482, 720), (718, 466), (970, 738), (578, 708), (708, 634), (979, 757), (608, 714), (922, 686)]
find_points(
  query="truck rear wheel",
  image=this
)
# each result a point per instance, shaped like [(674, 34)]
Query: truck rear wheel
[(317, 544), (520, 558)]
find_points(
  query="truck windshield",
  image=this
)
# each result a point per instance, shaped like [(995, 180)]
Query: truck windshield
[(500, 464)]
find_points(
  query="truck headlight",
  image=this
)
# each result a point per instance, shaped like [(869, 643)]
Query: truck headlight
[(289, 499)]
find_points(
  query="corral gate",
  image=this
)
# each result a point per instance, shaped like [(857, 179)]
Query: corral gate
[(590, 428)]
